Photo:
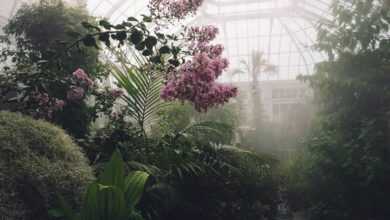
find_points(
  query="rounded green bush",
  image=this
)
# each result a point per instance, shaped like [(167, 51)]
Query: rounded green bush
[(38, 162)]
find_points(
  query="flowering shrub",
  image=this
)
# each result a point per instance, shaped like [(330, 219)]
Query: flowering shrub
[(80, 83), (45, 105), (38, 73), (177, 9), (195, 80), (203, 34), (75, 93), (188, 60), (46, 102), (82, 77)]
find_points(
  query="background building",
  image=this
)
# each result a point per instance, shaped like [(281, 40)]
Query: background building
[(277, 98)]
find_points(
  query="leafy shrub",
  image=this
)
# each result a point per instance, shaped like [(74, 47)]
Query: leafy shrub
[(38, 78), (37, 161), (41, 29), (349, 150), (216, 126), (294, 183), (113, 196), (236, 184)]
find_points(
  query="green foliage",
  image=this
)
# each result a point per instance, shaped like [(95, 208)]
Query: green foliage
[(113, 196), (194, 179), (294, 183), (156, 47), (215, 126), (358, 26), (142, 88), (42, 29), (348, 151), (37, 161), (247, 189), (36, 44)]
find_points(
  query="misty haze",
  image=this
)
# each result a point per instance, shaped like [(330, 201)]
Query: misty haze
[(194, 109)]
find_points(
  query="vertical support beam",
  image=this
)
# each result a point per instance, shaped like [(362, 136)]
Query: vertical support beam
[(227, 50), (271, 24), (294, 40)]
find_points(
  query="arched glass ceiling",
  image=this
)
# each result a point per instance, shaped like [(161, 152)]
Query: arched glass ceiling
[(284, 30), (117, 10)]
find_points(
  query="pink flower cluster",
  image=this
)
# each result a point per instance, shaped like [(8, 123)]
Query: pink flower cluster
[(195, 80), (82, 77), (59, 104), (177, 9), (81, 83), (213, 51), (46, 105), (75, 93), (202, 34)]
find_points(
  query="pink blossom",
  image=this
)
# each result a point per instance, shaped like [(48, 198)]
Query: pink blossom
[(202, 34), (215, 50), (42, 98), (46, 105), (75, 93), (59, 104), (177, 9), (80, 75), (195, 82)]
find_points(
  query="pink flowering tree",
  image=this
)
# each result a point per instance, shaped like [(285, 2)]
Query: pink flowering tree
[(48, 99), (174, 9), (195, 79), (188, 60)]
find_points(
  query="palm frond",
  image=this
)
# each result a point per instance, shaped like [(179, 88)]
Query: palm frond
[(210, 131), (142, 85)]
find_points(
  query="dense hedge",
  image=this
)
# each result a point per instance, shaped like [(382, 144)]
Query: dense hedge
[(37, 162)]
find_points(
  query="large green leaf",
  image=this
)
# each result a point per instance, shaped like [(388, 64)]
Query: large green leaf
[(111, 203), (90, 206), (113, 174), (134, 187), (112, 197), (104, 203)]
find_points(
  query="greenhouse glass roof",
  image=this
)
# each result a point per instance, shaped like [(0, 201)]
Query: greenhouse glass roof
[(283, 30)]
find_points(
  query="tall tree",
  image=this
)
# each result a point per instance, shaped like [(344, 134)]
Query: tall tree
[(350, 149), (36, 38)]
